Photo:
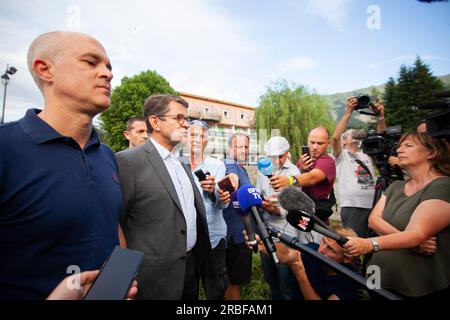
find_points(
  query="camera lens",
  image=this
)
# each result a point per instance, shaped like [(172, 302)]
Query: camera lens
[(363, 100)]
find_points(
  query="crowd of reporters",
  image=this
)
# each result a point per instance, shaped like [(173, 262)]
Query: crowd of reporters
[(72, 200)]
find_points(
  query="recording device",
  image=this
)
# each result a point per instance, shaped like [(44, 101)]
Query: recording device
[(201, 175), (385, 143), (246, 220), (438, 124), (305, 150), (293, 199), (364, 102), (249, 199), (226, 185), (303, 221), (381, 146), (116, 275), (265, 167)]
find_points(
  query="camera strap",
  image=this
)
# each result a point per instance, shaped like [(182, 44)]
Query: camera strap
[(354, 157)]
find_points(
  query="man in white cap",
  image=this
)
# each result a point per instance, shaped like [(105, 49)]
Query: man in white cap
[(280, 278)]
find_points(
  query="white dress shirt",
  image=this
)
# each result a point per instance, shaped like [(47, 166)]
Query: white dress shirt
[(184, 191)]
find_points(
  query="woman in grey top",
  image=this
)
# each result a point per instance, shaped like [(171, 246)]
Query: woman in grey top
[(413, 223)]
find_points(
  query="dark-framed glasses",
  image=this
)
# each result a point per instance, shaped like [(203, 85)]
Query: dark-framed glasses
[(179, 117)]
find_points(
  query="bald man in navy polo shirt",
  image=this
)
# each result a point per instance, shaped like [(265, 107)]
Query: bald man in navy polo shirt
[(60, 197)]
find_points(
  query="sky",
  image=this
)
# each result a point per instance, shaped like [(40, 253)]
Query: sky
[(234, 49)]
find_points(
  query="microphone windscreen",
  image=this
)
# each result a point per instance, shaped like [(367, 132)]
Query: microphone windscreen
[(442, 94), (300, 221), (438, 104), (248, 196), (235, 204), (265, 166), (293, 199)]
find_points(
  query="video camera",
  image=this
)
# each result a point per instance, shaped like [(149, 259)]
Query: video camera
[(438, 124), (364, 102), (381, 146), (386, 143)]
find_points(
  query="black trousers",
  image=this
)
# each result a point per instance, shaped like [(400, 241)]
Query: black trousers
[(216, 282), (190, 288)]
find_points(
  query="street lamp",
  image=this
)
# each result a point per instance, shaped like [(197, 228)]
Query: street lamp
[(5, 80)]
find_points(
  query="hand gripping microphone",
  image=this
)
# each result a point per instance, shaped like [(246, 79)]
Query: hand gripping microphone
[(265, 167), (246, 220), (249, 199), (301, 215)]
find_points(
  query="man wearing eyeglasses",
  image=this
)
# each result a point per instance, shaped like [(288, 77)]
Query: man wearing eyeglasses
[(163, 212)]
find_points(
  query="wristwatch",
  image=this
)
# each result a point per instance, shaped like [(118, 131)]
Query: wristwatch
[(295, 181), (375, 245)]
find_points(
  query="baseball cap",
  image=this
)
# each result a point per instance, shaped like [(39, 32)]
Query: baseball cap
[(276, 146)]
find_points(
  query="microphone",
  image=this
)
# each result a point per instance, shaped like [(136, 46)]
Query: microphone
[(246, 220), (293, 199), (265, 167), (438, 104), (303, 222), (249, 199), (442, 94)]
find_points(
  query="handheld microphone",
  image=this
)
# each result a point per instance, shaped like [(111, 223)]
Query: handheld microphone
[(246, 220), (442, 94), (293, 199), (303, 222), (249, 199), (265, 167), (438, 104)]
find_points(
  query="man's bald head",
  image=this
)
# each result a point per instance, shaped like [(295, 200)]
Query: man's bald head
[(318, 141), (48, 46), (320, 131)]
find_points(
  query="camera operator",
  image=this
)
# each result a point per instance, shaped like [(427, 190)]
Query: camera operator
[(355, 173)]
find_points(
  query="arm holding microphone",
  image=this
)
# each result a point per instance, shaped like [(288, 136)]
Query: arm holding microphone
[(324, 260), (293, 259)]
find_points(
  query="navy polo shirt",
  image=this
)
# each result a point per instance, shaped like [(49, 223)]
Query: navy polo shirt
[(59, 207), (234, 220)]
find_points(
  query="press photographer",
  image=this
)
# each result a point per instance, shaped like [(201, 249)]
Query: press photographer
[(355, 172)]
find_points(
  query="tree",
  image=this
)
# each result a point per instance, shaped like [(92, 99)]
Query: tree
[(414, 84), (294, 111), (127, 101)]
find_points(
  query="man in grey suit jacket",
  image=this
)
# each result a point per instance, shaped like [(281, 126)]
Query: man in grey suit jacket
[(164, 215)]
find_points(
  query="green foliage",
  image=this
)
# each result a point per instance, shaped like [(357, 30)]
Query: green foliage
[(414, 84), (127, 101), (294, 111), (258, 288)]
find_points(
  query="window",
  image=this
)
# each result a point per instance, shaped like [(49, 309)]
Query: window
[(225, 113), (206, 109), (242, 116)]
